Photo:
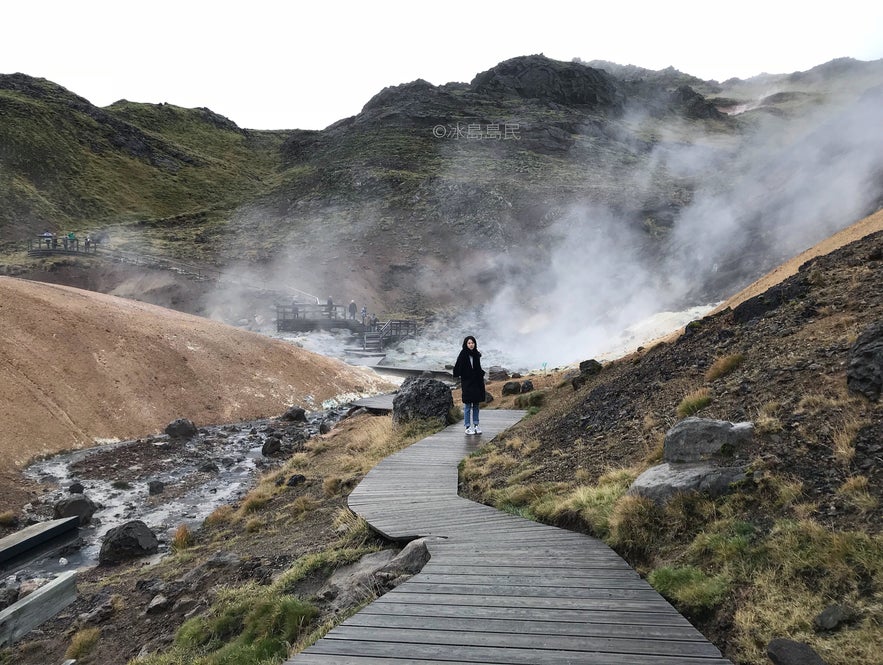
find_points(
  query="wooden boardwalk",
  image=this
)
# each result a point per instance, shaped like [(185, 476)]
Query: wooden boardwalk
[(498, 588)]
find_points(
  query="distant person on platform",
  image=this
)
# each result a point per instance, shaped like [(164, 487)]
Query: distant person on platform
[(468, 370), (364, 313), (352, 309)]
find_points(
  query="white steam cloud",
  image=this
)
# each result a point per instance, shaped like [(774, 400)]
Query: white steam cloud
[(783, 189), (757, 199)]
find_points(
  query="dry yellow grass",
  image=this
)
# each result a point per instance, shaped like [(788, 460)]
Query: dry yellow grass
[(182, 539), (723, 366), (693, 403)]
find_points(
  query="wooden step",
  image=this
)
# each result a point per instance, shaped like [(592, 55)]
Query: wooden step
[(30, 537)]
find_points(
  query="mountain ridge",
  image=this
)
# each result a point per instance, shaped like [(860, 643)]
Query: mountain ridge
[(401, 207)]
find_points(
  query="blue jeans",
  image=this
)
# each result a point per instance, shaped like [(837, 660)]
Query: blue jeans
[(470, 414)]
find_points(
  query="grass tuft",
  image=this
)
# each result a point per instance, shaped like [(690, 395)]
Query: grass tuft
[(689, 587), (693, 403), (8, 518), (182, 539), (220, 515), (854, 491), (82, 643), (723, 366)]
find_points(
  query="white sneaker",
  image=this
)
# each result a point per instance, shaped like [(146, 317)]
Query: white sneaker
[(469, 431), (476, 429)]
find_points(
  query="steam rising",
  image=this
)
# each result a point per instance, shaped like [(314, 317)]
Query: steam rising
[(757, 199), (785, 189)]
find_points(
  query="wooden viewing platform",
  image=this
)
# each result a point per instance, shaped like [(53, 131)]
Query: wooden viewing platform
[(48, 245), (498, 588), (298, 317)]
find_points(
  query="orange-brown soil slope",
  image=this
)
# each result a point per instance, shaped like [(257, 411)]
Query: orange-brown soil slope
[(76, 366)]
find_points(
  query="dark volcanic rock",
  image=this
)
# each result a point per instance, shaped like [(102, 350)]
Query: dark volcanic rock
[(865, 371), (271, 446), (294, 414), (77, 505), (511, 388), (789, 652), (127, 541), (794, 288), (833, 617), (182, 428), (538, 77), (422, 399)]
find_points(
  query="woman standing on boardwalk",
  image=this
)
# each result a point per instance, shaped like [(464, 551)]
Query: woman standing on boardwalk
[(468, 369)]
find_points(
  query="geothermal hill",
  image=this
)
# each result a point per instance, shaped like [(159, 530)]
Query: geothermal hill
[(77, 366)]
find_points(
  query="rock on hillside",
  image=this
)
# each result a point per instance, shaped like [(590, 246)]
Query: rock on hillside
[(77, 366)]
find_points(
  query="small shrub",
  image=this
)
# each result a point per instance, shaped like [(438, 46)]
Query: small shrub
[(247, 625), (692, 403), (723, 366), (82, 642), (689, 587), (303, 504), (182, 539), (523, 473), (534, 399), (724, 542), (8, 518), (844, 440), (637, 525), (767, 420), (254, 501), (220, 515), (354, 530), (499, 461), (855, 492), (517, 496), (331, 485), (593, 505), (525, 447), (254, 524)]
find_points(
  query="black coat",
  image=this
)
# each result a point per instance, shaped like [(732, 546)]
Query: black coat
[(471, 376)]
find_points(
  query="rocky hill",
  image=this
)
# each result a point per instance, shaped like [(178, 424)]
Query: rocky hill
[(483, 185)]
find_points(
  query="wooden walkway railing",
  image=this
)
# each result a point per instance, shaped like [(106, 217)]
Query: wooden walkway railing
[(498, 588)]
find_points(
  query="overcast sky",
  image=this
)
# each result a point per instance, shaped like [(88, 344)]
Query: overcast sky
[(284, 65)]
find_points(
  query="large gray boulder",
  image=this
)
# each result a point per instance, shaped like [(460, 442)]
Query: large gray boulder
[(420, 398), (374, 573), (864, 374), (701, 439), (663, 481), (126, 542), (699, 455)]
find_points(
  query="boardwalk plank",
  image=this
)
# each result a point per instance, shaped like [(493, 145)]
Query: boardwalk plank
[(579, 626), (479, 636), (498, 589), (635, 618), (508, 656)]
